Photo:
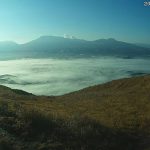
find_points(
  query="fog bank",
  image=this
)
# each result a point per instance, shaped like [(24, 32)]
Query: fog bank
[(60, 76)]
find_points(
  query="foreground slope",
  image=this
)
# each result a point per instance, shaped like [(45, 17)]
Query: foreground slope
[(121, 101), (115, 115)]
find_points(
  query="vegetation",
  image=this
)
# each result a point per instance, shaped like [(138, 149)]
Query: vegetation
[(31, 129), (112, 116)]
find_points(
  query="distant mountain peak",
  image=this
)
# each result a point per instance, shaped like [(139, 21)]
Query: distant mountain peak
[(111, 39), (52, 46), (104, 40), (48, 36)]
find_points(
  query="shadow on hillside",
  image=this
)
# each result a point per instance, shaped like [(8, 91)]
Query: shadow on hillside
[(33, 130)]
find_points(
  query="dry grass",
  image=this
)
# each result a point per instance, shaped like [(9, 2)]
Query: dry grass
[(121, 107)]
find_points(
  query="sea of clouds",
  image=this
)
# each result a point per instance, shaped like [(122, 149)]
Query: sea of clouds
[(60, 76)]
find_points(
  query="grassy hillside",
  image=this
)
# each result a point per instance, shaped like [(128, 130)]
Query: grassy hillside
[(111, 116)]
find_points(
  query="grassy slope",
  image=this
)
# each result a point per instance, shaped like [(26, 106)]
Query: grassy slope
[(122, 106)]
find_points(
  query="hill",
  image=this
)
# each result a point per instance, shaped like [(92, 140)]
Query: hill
[(115, 115), (52, 46), (143, 45)]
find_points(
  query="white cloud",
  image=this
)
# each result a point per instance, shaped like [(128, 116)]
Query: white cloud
[(69, 36)]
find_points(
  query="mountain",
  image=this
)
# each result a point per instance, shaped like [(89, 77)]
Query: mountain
[(114, 115), (8, 45), (59, 46), (9, 50), (143, 45), (52, 46)]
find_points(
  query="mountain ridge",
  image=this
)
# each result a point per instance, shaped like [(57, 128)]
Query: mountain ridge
[(51, 46)]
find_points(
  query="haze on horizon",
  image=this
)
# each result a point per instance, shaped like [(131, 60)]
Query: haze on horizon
[(25, 20)]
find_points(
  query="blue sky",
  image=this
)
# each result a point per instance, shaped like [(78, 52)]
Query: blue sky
[(24, 20)]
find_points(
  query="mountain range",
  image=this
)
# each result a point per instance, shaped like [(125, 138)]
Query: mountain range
[(52, 46)]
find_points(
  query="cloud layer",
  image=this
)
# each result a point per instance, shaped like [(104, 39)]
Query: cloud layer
[(60, 76)]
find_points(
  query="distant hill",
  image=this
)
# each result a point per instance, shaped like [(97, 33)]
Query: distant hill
[(114, 115), (8, 45), (9, 50), (143, 45), (51, 46)]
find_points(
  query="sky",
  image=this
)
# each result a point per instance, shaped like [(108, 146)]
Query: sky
[(25, 20)]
